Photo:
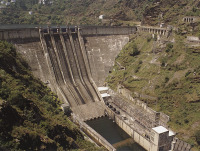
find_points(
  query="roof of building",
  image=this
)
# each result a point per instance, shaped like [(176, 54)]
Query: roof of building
[(64, 105), (105, 95), (171, 133), (103, 88), (160, 129)]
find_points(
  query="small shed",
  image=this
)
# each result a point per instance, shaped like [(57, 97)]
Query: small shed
[(101, 17)]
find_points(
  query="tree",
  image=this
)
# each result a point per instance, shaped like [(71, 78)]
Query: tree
[(197, 137), (135, 51)]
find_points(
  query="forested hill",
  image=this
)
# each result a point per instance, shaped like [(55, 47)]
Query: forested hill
[(87, 12), (30, 114), (73, 11)]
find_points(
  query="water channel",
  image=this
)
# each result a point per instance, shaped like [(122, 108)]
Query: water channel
[(114, 134)]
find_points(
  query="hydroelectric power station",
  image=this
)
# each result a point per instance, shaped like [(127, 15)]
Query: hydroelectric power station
[(74, 63)]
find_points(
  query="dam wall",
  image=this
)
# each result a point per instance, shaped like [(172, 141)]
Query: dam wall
[(107, 30), (102, 45), (101, 52), (26, 33), (71, 61)]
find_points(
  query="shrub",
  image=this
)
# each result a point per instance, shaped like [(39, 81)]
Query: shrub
[(187, 74), (149, 39), (135, 50), (166, 79), (197, 137), (169, 47)]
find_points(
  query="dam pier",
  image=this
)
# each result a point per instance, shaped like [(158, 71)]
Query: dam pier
[(74, 62)]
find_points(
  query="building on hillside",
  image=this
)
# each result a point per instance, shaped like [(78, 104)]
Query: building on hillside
[(45, 2), (7, 3), (3, 2), (30, 12), (101, 17)]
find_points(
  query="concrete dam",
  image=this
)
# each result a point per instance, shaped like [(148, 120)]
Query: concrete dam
[(74, 63)]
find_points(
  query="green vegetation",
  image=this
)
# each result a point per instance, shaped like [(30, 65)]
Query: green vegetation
[(30, 114), (87, 12), (197, 136), (73, 12), (170, 12), (168, 71)]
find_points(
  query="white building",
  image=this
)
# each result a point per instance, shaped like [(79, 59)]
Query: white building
[(3, 2), (101, 16), (44, 2), (7, 3), (30, 12)]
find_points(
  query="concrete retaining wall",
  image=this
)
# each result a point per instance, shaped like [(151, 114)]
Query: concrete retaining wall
[(92, 133), (160, 118), (181, 145), (130, 130)]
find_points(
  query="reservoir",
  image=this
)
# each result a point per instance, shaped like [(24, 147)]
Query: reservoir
[(114, 134)]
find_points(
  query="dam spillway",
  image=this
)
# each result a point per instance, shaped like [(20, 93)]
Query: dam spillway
[(73, 86), (68, 66)]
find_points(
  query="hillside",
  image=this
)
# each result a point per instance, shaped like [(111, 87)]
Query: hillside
[(30, 114), (170, 12), (87, 12), (164, 73), (74, 12)]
